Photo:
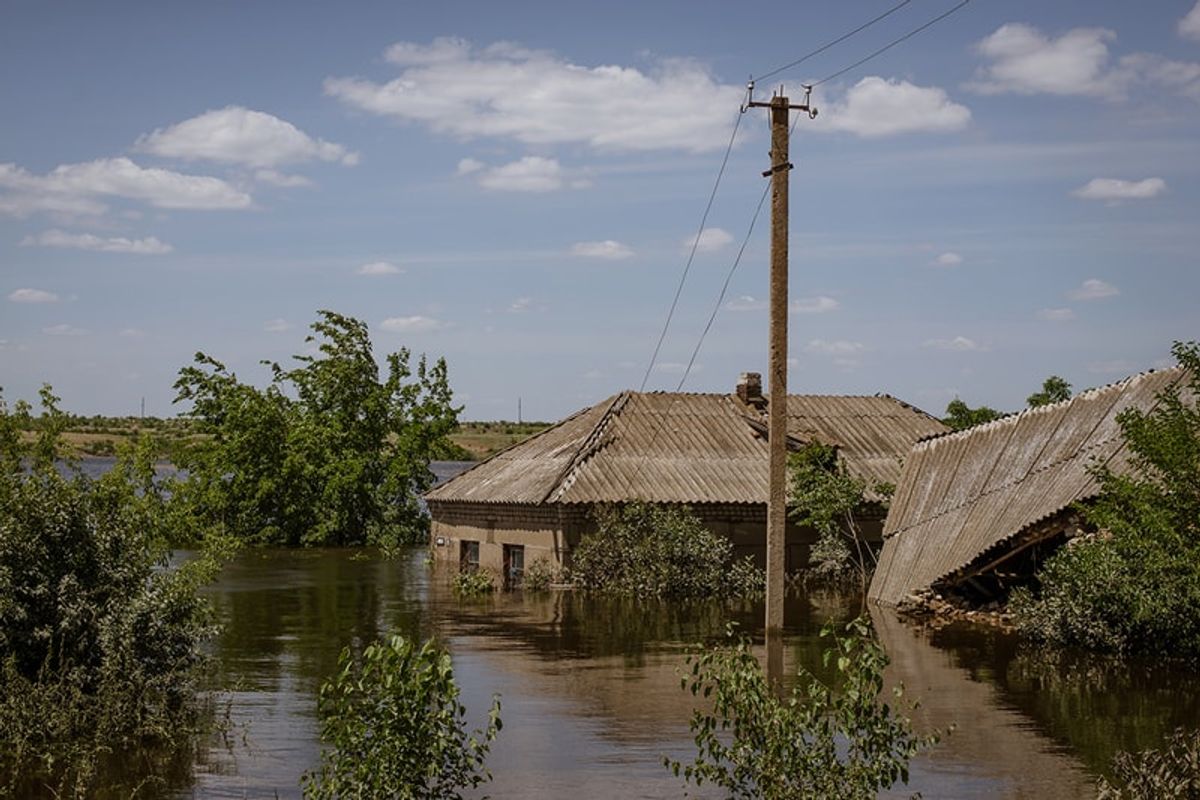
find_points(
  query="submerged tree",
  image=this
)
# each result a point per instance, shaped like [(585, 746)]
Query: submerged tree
[(839, 739), (394, 727), (326, 454), (100, 636)]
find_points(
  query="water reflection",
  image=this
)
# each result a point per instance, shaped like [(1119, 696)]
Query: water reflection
[(590, 690)]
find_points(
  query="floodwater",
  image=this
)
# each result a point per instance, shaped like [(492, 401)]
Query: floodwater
[(591, 700)]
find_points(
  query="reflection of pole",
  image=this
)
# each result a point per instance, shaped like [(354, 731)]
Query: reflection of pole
[(777, 369)]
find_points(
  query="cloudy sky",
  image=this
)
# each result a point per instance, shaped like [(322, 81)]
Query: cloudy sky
[(517, 186)]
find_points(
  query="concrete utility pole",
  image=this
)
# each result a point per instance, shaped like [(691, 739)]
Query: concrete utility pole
[(777, 369)]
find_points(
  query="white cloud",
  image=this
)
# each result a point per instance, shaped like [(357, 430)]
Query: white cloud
[(413, 324), (836, 347), (520, 305), (710, 239), (275, 178), (1093, 289), (32, 296), (1189, 26), (947, 260), (276, 325), (959, 344), (746, 303), (236, 135), (64, 330), (1026, 61), (72, 188), (1114, 189), (528, 174), (1056, 314), (376, 268), (150, 246), (813, 305), (468, 165), (607, 249), (876, 107), (536, 97)]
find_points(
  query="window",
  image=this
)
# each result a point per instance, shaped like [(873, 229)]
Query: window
[(468, 556), (514, 564)]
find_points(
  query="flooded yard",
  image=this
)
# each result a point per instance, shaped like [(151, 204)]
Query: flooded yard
[(591, 698)]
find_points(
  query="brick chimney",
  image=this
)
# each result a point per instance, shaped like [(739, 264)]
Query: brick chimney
[(749, 389)]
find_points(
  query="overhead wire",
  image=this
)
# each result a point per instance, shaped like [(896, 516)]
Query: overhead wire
[(832, 43), (692, 255), (891, 44)]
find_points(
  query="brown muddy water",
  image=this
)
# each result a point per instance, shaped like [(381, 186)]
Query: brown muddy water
[(590, 690)]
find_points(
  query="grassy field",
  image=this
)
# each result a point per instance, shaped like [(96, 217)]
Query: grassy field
[(474, 440)]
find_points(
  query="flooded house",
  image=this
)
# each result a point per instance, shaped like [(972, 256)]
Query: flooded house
[(536, 499), (976, 511)]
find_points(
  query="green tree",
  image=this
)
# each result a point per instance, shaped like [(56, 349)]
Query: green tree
[(394, 727), (822, 495), (1135, 584), (326, 454), (1054, 390), (960, 416), (839, 740), (100, 636)]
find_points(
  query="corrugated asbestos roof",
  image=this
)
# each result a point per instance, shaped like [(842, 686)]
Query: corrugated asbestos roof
[(685, 448), (964, 494)]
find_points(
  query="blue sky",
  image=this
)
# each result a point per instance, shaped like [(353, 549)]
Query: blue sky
[(513, 186)]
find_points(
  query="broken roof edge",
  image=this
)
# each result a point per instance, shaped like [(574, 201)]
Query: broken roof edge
[(1011, 417)]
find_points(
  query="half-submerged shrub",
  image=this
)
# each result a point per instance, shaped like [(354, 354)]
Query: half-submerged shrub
[(649, 550), (473, 583), (539, 575), (1135, 585), (1168, 773), (393, 727), (830, 741), (99, 637)]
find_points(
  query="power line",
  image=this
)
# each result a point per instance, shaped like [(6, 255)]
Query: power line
[(692, 255), (724, 288), (828, 45), (892, 44), (729, 275)]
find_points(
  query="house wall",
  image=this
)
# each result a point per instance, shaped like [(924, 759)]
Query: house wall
[(552, 531)]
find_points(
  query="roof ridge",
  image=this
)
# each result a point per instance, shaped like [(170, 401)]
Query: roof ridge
[(587, 446), (514, 445)]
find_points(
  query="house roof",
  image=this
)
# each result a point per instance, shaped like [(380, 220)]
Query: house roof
[(685, 448), (965, 495)]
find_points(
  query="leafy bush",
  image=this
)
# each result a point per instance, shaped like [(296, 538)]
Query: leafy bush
[(327, 454), (99, 638), (539, 575), (1172, 773), (1135, 585), (394, 727), (960, 416), (840, 741), (648, 550), (473, 583)]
